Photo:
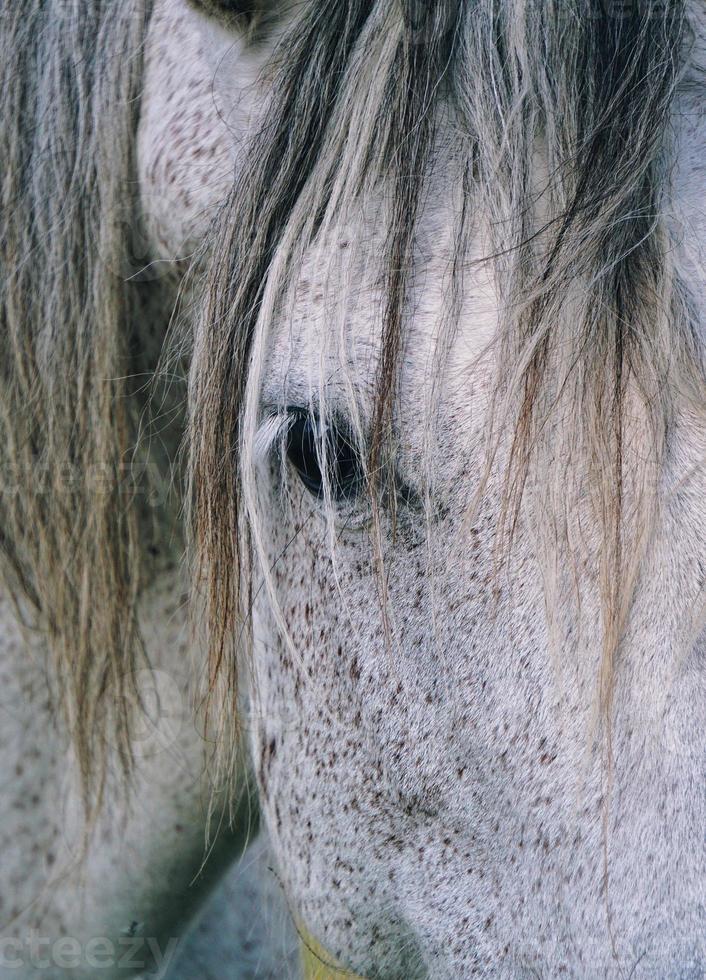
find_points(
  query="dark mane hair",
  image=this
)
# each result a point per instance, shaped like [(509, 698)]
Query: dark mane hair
[(592, 312)]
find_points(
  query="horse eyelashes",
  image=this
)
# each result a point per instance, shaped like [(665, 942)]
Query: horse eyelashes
[(323, 457), (245, 12)]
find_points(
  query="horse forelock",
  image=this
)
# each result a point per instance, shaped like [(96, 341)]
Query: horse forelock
[(562, 114)]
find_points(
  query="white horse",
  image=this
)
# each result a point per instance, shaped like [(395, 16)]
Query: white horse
[(421, 287)]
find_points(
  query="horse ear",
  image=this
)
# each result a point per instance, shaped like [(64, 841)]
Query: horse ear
[(245, 12)]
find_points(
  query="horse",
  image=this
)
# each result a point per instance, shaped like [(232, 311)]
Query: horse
[(352, 413)]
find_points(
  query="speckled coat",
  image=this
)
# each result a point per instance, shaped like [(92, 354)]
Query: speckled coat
[(435, 809)]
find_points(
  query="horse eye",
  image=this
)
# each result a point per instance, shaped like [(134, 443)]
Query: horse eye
[(305, 452), (246, 9)]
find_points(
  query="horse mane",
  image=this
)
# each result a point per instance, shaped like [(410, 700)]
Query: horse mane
[(563, 112), (588, 307), (68, 510)]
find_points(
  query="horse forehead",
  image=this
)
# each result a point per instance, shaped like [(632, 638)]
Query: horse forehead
[(203, 96), (329, 327)]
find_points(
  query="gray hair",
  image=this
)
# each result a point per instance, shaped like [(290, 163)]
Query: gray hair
[(70, 76)]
